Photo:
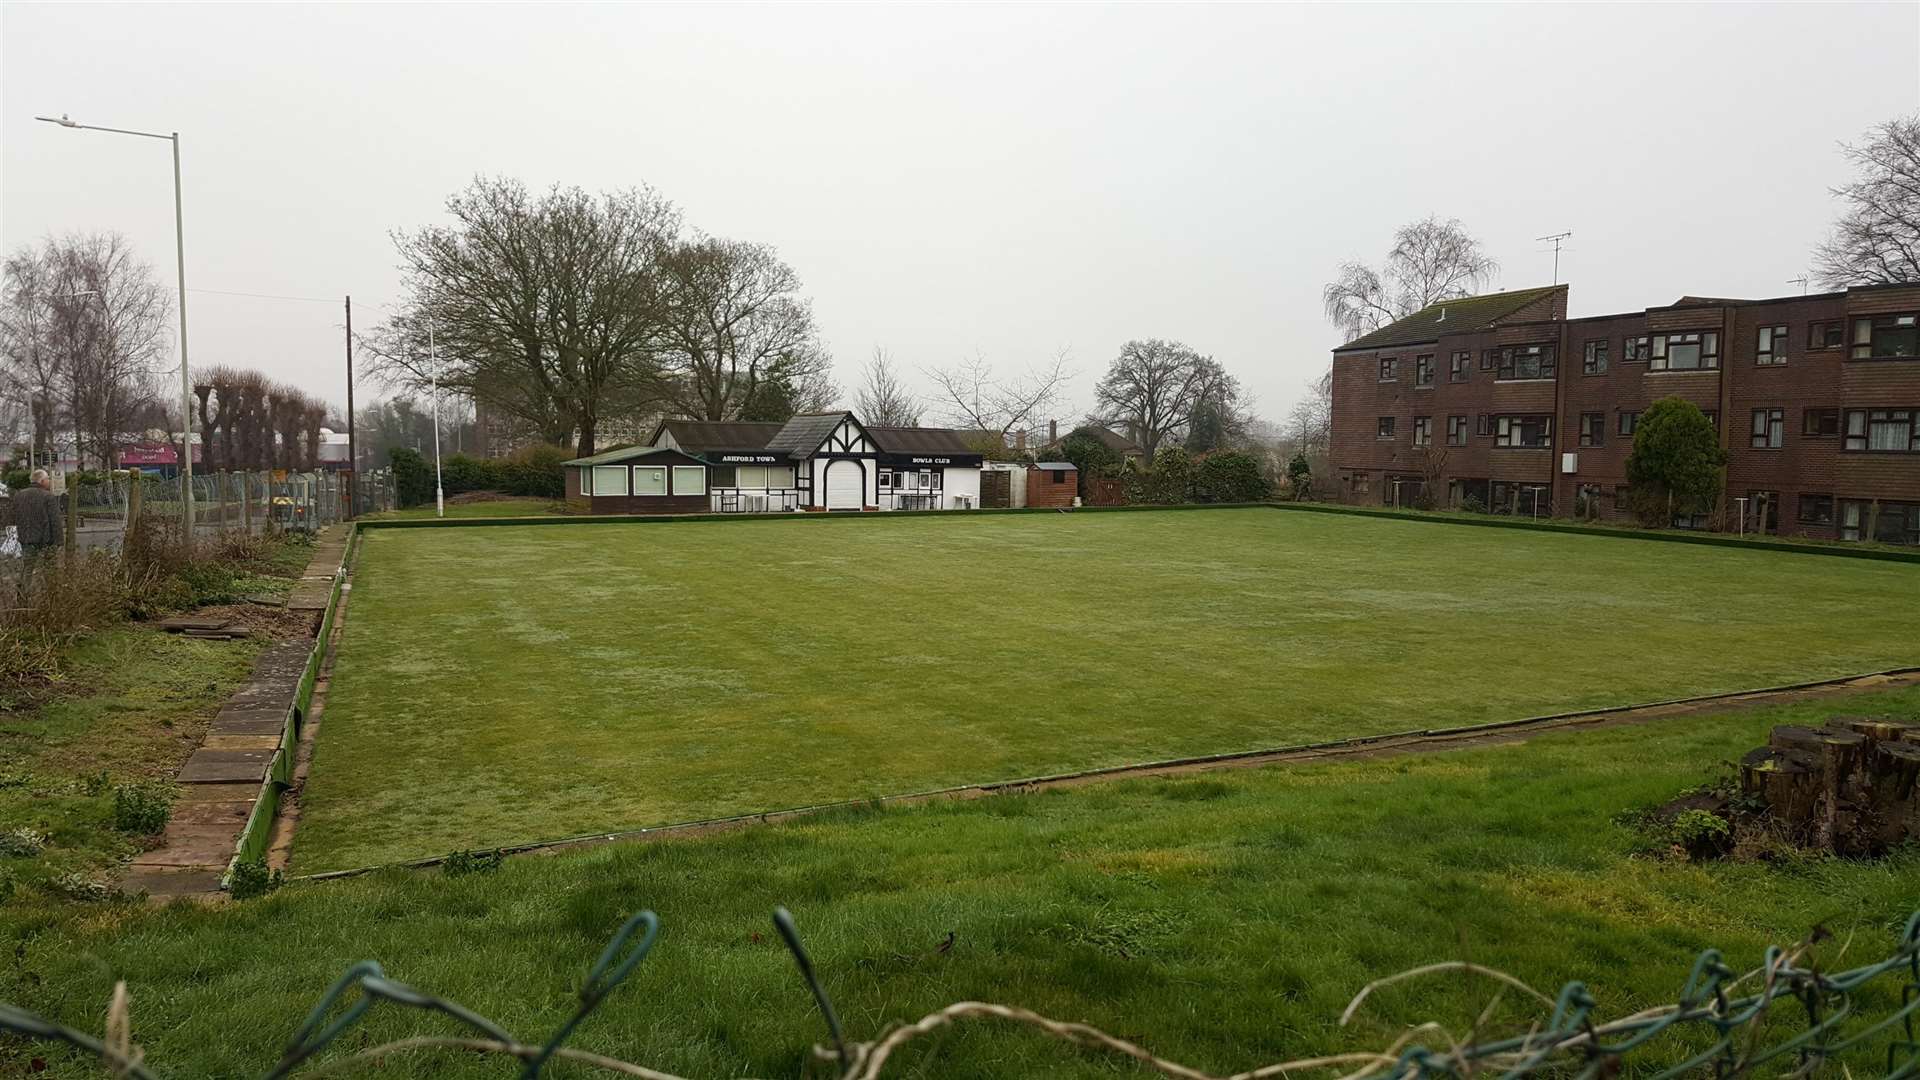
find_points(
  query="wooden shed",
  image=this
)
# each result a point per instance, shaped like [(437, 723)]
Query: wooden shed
[(638, 480), (1052, 483)]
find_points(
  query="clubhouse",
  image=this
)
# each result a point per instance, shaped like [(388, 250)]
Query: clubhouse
[(816, 461)]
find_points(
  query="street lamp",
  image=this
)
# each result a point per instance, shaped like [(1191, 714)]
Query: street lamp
[(180, 264), (433, 366)]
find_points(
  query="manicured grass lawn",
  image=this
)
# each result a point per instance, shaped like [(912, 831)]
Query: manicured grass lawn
[(490, 508), (503, 685), (1222, 920)]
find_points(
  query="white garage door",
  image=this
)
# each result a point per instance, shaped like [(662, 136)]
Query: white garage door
[(846, 486)]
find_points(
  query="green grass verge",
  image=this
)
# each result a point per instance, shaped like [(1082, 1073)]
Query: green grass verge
[(1222, 920), (507, 685)]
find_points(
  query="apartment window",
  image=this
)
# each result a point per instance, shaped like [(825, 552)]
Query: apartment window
[(1361, 483), (1489, 359), (1629, 419), (1882, 337), (1593, 429), (1525, 361), (1713, 417), (1636, 350), (609, 480), (1885, 430), (1763, 511), (1826, 335), (1686, 352), (1528, 432), (1423, 431), (1889, 523), (1772, 346), (1457, 367), (1769, 429), (1816, 510), (1386, 427), (1389, 368), (1456, 431), (1620, 499), (1820, 423), (1594, 362), (649, 480), (1423, 370), (1690, 521)]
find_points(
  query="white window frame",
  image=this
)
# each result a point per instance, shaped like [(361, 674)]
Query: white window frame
[(701, 470), (593, 482), (660, 470)]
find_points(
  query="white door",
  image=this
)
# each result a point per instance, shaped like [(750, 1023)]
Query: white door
[(846, 486)]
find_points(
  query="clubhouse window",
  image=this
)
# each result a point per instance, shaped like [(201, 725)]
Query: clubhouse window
[(1816, 510), (1886, 337), (608, 480), (723, 476), (1423, 431), (1891, 431), (1820, 423), (689, 480), (1456, 431), (1389, 369), (1886, 522), (1423, 370), (1594, 360), (649, 480), (1769, 429), (1772, 346), (1629, 419), (1524, 361), (1636, 350), (1386, 428), (1458, 366), (1593, 429), (1523, 432), (1831, 334), (1686, 352)]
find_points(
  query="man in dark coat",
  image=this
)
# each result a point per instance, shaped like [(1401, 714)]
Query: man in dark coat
[(36, 522)]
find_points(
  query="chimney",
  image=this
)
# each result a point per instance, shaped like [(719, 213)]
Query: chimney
[(1020, 439), (1053, 432)]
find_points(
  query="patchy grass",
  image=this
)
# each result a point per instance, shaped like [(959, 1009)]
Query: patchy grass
[(506, 685), (1223, 920)]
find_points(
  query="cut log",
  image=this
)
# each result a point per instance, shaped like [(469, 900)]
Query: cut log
[(1795, 737), (1883, 728)]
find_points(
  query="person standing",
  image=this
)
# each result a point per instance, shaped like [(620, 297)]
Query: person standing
[(36, 520)]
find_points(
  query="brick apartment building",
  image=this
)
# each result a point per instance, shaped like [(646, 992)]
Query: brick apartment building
[(1503, 401)]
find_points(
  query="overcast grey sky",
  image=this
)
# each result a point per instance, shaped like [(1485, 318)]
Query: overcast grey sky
[(1010, 180)]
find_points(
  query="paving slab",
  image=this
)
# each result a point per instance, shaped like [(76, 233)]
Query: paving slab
[(232, 812), (212, 766), (214, 792), (163, 882), (240, 742), (193, 845)]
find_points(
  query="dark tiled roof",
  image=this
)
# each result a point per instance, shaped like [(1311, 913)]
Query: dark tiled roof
[(1117, 442), (803, 434), (925, 440), (1459, 316), (629, 453), (696, 436)]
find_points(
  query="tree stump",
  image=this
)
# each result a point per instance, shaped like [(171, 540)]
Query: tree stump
[(1851, 787)]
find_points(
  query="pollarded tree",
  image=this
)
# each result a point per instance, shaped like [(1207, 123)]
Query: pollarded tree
[(1676, 464)]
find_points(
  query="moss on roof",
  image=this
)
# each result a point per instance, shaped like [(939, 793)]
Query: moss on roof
[(1461, 315)]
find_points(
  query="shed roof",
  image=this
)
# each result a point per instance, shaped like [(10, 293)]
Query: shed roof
[(1461, 315), (1055, 465), (625, 454)]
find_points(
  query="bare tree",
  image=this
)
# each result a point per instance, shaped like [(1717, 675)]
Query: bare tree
[(1877, 239), (1153, 388), (732, 318), (1310, 425), (547, 309), (972, 397), (882, 399), (85, 326), (1431, 260)]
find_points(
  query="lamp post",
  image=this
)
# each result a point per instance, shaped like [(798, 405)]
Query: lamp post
[(433, 367), (180, 265)]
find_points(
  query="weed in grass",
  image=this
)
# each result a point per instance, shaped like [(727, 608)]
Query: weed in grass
[(462, 863), (252, 879), (83, 888), (1122, 933), (23, 842), (94, 783), (142, 808)]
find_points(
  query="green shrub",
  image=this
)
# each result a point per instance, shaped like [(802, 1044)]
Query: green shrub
[(1171, 478), (142, 809), (252, 879), (535, 472), (464, 862), (1230, 476), (1300, 476), (412, 476), (23, 842), (83, 889), (1676, 463)]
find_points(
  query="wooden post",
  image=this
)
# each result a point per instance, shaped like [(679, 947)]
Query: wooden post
[(246, 505), (134, 493), (220, 496), (73, 513)]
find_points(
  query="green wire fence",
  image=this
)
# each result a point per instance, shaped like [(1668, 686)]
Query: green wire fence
[(1737, 1015)]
